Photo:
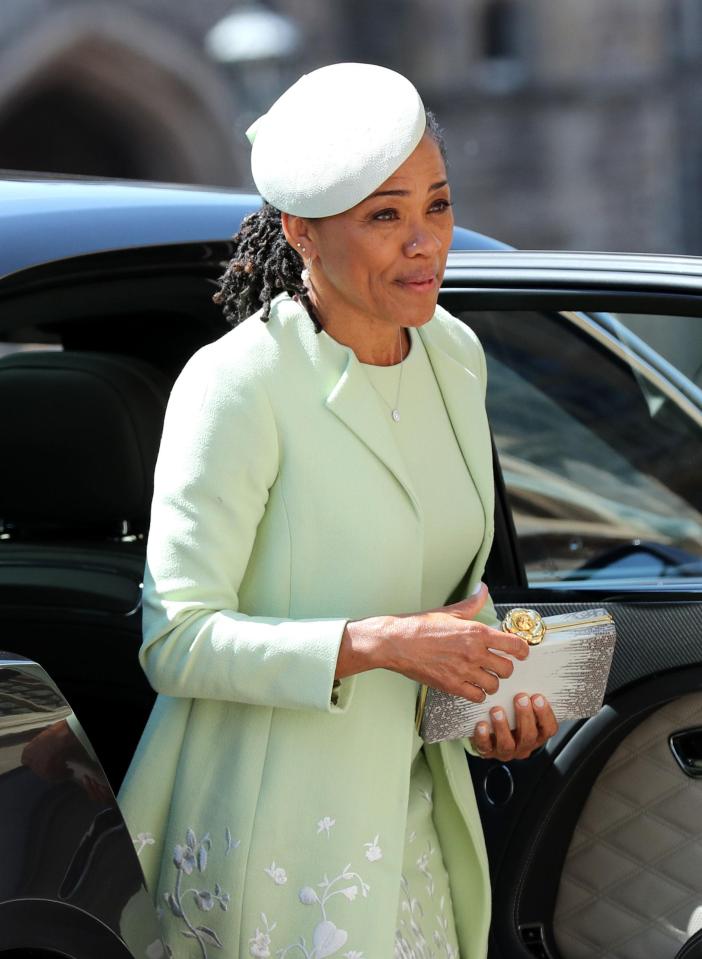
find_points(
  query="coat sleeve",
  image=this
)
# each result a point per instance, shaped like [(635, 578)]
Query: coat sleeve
[(217, 461)]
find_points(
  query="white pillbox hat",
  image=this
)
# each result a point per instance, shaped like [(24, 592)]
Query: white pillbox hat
[(333, 137)]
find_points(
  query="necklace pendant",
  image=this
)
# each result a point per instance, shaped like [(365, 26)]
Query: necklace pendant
[(396, 415)]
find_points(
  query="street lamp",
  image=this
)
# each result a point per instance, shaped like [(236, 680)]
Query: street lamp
[(251, 32), (254, 45)]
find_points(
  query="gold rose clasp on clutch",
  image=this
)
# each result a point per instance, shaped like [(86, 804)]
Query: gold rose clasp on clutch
[(526, 623)]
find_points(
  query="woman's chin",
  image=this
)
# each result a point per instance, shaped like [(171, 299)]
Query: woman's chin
[(418, 317)]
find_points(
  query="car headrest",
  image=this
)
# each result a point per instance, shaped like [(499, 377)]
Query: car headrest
[(79, 435)]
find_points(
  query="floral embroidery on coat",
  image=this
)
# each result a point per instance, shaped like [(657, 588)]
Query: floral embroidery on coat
[(425, 929), (188, 858), (325, 825), (326, 938), (277, 874), (143, 840), (412, 939), (231, 843), (373, 850), (423, 866), (260, 944)]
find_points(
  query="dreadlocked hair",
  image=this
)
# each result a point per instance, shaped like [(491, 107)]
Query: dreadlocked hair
[(264, 264)]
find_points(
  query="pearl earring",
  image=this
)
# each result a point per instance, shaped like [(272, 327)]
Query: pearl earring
[(305, 274)]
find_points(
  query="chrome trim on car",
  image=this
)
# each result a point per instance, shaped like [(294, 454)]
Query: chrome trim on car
[(617, 271)]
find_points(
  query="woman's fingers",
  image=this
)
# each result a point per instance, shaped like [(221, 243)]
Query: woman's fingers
[(506, 643), (499, 665), (527, 733), (471, 691), (545, 718), (486, 668), (470, 607), (493, 638), (504, 741), (486, 681), (535, 723), (483, 680), (482, 740)]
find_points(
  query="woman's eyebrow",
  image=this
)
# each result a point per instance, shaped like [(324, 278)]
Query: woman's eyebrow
[(432, 188)]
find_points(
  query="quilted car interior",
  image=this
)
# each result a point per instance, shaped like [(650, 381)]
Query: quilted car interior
[(631, 886)]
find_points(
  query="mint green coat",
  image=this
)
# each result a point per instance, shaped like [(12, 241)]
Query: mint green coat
[(267, 807)]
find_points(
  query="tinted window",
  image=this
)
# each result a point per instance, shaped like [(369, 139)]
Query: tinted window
[(601, 449)]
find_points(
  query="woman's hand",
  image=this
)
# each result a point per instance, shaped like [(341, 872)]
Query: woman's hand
[(535, 724), (445, 648)]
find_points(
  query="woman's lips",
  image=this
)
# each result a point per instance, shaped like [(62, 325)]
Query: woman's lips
[(419, 284)]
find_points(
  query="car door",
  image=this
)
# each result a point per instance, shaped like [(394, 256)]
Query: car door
[(594, 370)]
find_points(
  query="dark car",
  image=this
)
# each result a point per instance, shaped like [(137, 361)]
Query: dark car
[(595, 365)]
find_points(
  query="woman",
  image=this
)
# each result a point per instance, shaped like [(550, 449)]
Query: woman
[(324, 484)]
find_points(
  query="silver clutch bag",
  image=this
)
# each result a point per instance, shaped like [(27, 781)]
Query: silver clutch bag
[(569, 662)]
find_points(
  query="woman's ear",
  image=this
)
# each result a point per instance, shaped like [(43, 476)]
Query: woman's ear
[(296, 233)]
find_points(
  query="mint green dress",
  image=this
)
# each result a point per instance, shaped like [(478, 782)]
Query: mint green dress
[(454, 530)]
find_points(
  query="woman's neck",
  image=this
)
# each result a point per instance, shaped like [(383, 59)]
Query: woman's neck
[(374, 341)]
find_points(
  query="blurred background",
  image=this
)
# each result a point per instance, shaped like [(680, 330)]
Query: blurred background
[(570, 123)]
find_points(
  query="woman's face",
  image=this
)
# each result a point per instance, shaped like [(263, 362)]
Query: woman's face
[(383, 260)]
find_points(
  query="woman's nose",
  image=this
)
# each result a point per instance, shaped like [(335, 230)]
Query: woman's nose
[(421, 242)]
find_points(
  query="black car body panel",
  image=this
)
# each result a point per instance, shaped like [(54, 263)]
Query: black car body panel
[(71, 881), (59, 217)]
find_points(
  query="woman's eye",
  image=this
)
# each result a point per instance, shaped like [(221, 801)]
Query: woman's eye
[(385, 215)]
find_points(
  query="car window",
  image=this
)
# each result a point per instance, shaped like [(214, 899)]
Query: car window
[(600, 444), (677, 338)]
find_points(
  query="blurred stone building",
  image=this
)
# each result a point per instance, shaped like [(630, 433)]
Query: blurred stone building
[(569, 124)]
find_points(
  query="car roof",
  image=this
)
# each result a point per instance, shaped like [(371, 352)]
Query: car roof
[(46, 217)]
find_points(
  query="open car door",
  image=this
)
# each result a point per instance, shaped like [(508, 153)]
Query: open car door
[(594, 369)]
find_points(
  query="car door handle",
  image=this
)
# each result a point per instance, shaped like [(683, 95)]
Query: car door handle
[(686, 747)]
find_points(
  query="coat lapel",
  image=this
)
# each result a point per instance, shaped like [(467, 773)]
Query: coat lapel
[(348, 394), (462, 392), (354, 401)]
